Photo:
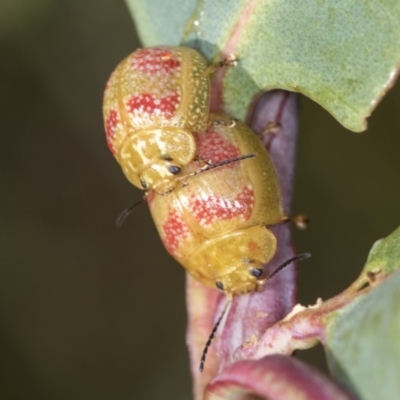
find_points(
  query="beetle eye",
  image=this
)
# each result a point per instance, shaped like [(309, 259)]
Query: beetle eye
[(219, 285), (175, 170), (257, 272), (143, 183)]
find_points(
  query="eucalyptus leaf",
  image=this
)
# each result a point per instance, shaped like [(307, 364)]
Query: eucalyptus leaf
[(161, 22), (363, 343), (385, 254), (342, 54)]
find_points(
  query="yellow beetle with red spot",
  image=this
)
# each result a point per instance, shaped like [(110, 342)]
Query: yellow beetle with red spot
[(153, 102), (216, 223)]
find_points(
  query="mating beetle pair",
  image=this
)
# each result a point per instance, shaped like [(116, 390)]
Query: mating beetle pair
[(159, 128)]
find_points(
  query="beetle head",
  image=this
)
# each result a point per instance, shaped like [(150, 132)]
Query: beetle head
[(152, 157)]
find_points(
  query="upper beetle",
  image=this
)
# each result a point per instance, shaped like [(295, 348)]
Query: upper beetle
[(153, 102)]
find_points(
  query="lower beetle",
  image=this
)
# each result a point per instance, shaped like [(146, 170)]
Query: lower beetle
[(217, 224)]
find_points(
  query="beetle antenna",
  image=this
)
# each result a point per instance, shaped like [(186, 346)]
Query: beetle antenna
[(211, 337), (121, 218), (208, 167), (299, 257)]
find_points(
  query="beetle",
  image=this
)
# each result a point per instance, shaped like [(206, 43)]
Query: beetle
[(154, 101), (216, 224)]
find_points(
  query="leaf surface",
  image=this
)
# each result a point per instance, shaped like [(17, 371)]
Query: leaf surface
[(385, 254), (364, 343), (344, 55)]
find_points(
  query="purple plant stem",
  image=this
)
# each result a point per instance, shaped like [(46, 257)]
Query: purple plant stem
[(201, 303), (251, 315)]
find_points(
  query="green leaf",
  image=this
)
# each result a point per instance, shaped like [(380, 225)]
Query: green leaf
[(363, 343), (342, 54), (161, 22), (385, 254)]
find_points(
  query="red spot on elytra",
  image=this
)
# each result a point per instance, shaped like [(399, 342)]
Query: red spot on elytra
[(112, 121), (253, 246), (154, 60), (147, 103), (175, 231), (211, 209), (213, 146)]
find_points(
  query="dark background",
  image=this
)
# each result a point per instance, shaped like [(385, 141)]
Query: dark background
[(88, 311)]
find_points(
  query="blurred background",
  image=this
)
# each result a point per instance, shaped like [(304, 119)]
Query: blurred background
[(89, 311)]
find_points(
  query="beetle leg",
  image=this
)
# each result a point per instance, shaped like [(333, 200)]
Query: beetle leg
[(230, 61), (228, 122), (301, 221), (272, 128), (202, 160), (260, 284)]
